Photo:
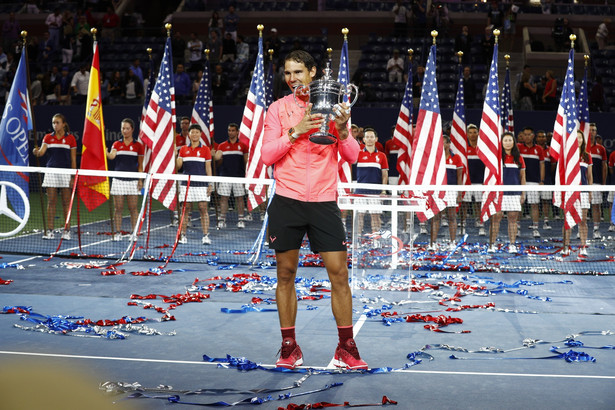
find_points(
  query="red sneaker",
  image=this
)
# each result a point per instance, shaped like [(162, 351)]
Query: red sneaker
[(290, 354), (347, 356)]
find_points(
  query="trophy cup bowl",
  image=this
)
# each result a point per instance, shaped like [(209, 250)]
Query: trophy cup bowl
[(324, 94)]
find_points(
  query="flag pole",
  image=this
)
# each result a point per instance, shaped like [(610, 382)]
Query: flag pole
[(24, 49)]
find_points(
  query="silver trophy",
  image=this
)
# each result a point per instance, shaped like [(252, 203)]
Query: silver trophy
[(324, 94)]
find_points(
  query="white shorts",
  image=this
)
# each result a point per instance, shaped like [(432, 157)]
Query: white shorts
[(53, 180), (546, 195), (451, 199), (596, 197), (511, 203), (585, 200), (226, 188), (195, 194), (473, 196), (611, 196), (393, 180), (532, 197), (374, 205), (122, 187)]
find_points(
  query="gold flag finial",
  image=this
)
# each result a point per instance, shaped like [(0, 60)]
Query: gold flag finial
[(329, 51), (270, 52), (94, 31), (260, 29), (410, 54), (572, 40), (496, 33), (459, 55), (586, 58), (345, 32), (434, 34), (168, 28), (206, 52), (24, 34), (149, 51), (507, 58)]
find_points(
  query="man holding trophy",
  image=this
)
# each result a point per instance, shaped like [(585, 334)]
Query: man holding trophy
[(304, 132)]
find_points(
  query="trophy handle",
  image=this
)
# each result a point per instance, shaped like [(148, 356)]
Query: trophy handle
[(302, 90), (348, 91)]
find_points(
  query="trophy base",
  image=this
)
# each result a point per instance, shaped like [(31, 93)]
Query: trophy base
[(323, 139)]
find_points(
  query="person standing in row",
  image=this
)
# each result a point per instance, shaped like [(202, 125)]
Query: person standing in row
[(62, 148), (306, 202), (195, 160), (128, 156)]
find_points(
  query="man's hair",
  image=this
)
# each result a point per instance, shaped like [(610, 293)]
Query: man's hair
[(472, 127), (301, 56), (528, 129), (183, 118), (370, 129), (233, 125)]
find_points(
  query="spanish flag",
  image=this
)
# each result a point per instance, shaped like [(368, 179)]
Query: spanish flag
[(94, 190)]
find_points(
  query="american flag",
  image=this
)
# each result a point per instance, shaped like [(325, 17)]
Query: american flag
[(147, 155), (251, 130), (489, 147), (428, 162), (508, 122), (583, 110), (459, 137), (203, 110), (159, 131), (344, 171), (269, 82), (402, 136), (565, 150)]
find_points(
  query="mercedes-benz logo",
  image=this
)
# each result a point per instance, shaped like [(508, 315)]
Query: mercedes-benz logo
[(7, 211)]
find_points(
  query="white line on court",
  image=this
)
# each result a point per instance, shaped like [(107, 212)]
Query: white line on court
[(442, 372), (355, 331)]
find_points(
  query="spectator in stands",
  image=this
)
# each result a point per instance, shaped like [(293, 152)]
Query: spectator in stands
[(229, 48), (527, 90), (195, 47), (469, 88), (487, 42), (219, 85), (417, 85), (133, 89), (136, 69), (510, 22), (214, 44), (274, 43), (62, 148), (513, 174), (231, 158), (47, 53), (560, 33), (549, 95), (67, 40), (534, 159), (602, 34), (128, 156), (115, 88), (183, 136), (243, 51), (438, 18), (599, 174), (183, 85), (195, 160), (179, 47), (596, 98), (400, 19), (79, 84), (231, 20), (195, 85), (495, 16), (36, 90), (110, 24), (216, 23), (463, 42), (3, 59), (83, 38), (419, 17), (65, 89), (54, 24), (586, 179), (10, 32), (51, 88), (546, 6), (395, 67), (372, 168), (4, 85)]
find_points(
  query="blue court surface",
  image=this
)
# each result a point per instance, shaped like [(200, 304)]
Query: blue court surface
[(433, 340)]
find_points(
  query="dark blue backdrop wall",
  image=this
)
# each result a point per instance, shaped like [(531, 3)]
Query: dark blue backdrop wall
[(382, 119)]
